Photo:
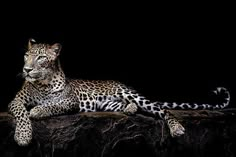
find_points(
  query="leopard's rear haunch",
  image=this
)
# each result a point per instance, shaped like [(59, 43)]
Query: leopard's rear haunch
[(48, 92)]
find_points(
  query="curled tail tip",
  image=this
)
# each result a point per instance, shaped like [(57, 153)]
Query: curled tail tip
[(219, 90), (225, 93)]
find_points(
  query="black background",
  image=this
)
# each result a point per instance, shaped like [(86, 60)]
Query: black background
[(173, 54)]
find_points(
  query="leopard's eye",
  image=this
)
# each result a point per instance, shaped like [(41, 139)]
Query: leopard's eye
[(41, 58)]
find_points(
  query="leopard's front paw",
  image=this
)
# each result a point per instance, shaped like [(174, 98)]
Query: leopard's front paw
[(23, 135), (130, 108), (176, 129), (37, 113)]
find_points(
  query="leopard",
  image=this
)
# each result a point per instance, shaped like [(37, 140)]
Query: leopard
[(47, 92)]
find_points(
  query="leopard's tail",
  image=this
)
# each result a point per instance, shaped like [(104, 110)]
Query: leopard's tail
[(220, 91)]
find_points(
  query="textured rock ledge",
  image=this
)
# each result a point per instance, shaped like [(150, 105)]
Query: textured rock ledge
[(208, 133)]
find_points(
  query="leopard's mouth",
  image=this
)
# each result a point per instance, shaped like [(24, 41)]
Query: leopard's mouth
[(30, 79), (32, 76)]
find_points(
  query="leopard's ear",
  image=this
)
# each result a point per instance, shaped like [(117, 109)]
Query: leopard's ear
[(30, 43), (55, 49)]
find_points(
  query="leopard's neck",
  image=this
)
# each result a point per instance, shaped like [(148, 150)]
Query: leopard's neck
[(54, 83)]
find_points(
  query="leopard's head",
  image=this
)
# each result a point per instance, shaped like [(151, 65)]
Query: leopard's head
[(40, 61)]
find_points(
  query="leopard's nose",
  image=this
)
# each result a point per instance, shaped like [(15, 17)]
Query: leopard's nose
[(27, 69)]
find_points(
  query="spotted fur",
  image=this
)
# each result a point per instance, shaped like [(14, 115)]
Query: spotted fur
[(48, 92)]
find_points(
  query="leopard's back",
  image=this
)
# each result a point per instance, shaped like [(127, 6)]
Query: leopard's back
[(97, 87)]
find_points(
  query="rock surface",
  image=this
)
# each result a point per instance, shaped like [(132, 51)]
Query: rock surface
[(105, 134)]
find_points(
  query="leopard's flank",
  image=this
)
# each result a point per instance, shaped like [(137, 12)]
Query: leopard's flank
[(48, 92)]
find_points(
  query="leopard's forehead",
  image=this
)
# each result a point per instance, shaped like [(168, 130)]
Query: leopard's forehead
[(37, 49)]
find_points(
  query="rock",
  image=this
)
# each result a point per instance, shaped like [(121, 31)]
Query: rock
[(105, 134)]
